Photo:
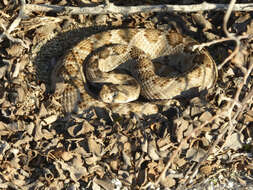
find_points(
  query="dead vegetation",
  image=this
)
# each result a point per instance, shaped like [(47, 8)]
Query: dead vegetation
[(205, 143)]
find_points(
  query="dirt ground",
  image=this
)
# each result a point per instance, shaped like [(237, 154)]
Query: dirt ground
[(205, 143)]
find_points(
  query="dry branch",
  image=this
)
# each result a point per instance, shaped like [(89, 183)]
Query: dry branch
[(126, 10)]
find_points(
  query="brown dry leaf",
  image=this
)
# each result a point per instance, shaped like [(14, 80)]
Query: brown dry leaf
[(125, 175), (56, 184), (49, 176), (106, 184), (114, 164), (10, 168), (242, 182), (43, 111), (142, 176), (127, 146), (92, 160), (17, 69), (241, 23), (113, 146), (168, 181), (49, 120), (144, 144), (239, 58), (4, 147), (3, 69), (80, 150), (45, 31), (16, 50), (195, 154), (60, 170), (153, 151), (205, 116), (182, 126), (75, 168), (164, 143), (206, 170), (24, 141), (196, 108), (180, 162), (211, 36), (249, 116), (21, 94), (205, 141), (96, 186), (48, 134), (94, 146), (250, 27), (233, 142), (151, 172), (76, 130), (127, 157), (160, 166), (202, 21), (98, 170), (42, 133), (56, 153), (87, 127), (4, 129)]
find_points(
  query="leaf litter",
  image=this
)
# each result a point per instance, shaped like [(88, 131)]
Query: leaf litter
[(42, 148)]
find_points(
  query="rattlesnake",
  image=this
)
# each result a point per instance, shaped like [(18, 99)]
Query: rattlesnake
[(100, 53)]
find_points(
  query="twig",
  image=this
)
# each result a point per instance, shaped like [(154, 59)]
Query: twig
[(14, 24), (250, 95), (202, 45), (126, 10), (230, 35), (236, 99), (227, 112), (179, 148), (232, 104)]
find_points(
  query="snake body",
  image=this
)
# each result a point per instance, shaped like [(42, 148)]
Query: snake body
[(162, 64)]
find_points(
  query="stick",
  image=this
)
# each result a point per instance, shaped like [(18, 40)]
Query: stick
[(126, 10)]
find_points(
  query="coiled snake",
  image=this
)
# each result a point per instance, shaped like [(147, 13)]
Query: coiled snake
[(175, 70)]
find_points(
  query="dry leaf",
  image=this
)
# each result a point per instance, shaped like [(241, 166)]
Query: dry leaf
[(107, 185), (94, 147), (205, 116), (195, 154), (3, 70), (152, 150), (202, 21), (206, 170), (49, 120), (168, 182), (233, 142)]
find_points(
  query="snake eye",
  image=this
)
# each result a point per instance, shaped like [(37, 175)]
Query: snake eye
[(115, 93)]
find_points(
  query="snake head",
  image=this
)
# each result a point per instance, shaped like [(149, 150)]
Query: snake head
[(108, 95), (111, 93)]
